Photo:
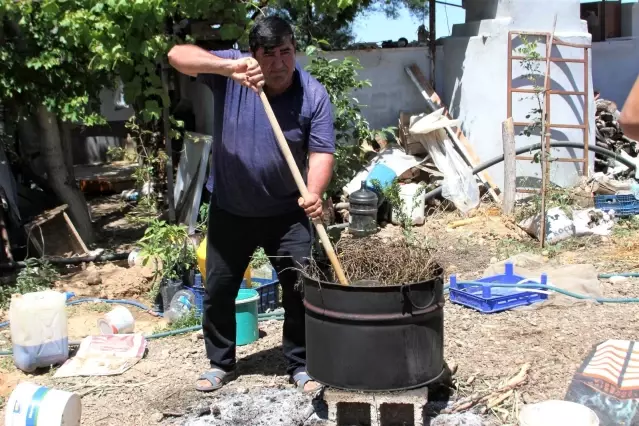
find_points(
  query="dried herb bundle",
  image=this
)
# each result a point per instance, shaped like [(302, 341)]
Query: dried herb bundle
[(376, 261)]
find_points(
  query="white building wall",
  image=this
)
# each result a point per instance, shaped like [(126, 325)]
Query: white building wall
[(475, 80)]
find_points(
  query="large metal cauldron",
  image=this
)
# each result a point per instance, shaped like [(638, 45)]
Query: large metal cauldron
[(375, 338)]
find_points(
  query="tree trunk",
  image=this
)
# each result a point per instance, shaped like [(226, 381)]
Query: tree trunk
[(58, 175), (67, 149)]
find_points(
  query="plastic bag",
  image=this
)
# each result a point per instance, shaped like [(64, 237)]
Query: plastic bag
[(593, 222), (459, 185), (559, 226)]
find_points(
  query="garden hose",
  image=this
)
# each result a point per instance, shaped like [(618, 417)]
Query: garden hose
[(480, 168), (102, 257), (279, 315), (260, 317)]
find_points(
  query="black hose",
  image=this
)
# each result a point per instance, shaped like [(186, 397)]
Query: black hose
[(436, 192), (66, 260)]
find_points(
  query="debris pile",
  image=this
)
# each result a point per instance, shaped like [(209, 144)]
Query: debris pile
[(610, 136), (491, 398)]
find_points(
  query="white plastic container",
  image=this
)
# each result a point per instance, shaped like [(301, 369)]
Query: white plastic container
[(557, 413), (414, 197), (134, 258), (32, 404), (118, 321), (39, 329)]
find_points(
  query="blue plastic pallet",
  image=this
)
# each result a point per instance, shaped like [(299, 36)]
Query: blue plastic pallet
[(622, 205), (269, 297), (482, 296)]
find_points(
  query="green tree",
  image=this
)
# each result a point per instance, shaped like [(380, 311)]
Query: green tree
[(56, 56), (334, 26), (353, 132)]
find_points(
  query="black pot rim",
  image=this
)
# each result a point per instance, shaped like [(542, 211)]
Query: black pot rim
[(413, 387), (439, 275)]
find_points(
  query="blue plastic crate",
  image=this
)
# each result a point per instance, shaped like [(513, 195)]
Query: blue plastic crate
[(269, 296), (269, 290), (622, 205), (484, 297), (198, 292)]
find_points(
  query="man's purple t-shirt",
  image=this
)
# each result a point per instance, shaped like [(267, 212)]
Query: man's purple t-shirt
[(250, 175)]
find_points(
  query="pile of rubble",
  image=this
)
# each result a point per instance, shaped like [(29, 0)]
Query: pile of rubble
[(609, 134)]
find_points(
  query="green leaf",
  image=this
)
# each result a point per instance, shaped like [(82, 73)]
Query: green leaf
[(310, 50), (230, 32)]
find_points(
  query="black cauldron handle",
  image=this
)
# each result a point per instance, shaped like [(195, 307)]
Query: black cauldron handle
[(405, 289)]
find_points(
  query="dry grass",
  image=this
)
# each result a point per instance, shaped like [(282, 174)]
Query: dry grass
[(379, 261)]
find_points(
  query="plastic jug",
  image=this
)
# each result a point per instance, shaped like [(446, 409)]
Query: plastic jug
[(201, 258), (39, 329), (181, 305), (201, 264)]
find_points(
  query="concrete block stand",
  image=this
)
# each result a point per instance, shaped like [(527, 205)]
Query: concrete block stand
[(348, 408)]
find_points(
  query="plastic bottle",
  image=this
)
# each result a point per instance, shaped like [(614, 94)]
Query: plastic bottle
[(181, 305), (39, 329)]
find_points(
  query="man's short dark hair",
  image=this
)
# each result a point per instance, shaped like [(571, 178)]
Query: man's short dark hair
[(269, 33)]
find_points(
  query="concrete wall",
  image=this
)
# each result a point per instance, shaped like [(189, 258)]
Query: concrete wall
[(90, 144), (615, 66), (392, 91), (475, 80)]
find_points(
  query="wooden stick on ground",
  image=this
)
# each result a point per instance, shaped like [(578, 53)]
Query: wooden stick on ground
[(491, 398), (510, 172), (545, 131), (301, 186)]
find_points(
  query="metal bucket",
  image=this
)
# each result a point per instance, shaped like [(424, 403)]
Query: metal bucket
[(375, 338)]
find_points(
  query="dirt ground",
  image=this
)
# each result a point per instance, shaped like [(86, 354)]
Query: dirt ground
[(484, 349)]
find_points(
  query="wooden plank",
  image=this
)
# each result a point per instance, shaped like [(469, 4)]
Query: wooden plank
[(552, 92), (456, 134), (510, 170), (433, 171), (551, 125), (74, 232), (52, 233), (545, 165), (564, 60), (48, 215), (558, 160)]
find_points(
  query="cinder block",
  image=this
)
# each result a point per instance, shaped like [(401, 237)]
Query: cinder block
[(348, 408)]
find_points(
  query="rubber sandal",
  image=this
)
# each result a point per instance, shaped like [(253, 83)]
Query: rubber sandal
[(300, 380), (217, 378)]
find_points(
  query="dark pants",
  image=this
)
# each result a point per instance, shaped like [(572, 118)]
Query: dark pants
[(231, 242)]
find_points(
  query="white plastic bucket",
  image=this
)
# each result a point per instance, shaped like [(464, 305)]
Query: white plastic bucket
[(414, 197), (557, 413), (31, 405), (118, 321)]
